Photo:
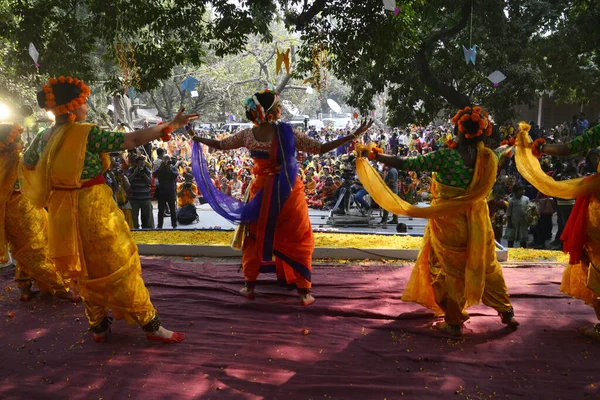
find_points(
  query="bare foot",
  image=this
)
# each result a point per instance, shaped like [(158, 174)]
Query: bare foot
[(100, 337), (165, 336), (453, 330), (512, 323), (247, 293), (28, 294), (306, 299), (72, 296), (593, 331)]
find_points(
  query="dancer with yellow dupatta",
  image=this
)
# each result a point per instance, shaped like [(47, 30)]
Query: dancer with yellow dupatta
[(581, 235), (457, 266), (276, 215), (89, 238), (23, 227)]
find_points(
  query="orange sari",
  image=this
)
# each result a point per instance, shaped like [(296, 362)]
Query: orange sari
[(293, 241)]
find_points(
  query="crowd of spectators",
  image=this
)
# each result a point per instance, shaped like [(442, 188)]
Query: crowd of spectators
[(162, 172)]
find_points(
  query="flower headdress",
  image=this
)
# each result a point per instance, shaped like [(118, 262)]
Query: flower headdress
[(257, 111), (12, 142), (68, 108), (476, 115)]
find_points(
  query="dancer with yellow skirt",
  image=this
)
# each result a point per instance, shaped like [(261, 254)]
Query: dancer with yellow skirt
[(89, 238), (457, 266), (24, 228), (581, 235), (275, 221)]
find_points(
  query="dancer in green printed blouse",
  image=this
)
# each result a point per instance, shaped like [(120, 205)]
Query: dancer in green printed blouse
[(99, 141)]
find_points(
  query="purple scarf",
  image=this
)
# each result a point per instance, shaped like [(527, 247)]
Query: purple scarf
[(237, 211)]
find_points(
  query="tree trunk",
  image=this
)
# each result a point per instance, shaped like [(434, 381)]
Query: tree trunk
[(447, 91)]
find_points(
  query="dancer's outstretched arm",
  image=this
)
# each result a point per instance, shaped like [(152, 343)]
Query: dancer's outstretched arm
[(334, 144), (590, 139), (141, 137)]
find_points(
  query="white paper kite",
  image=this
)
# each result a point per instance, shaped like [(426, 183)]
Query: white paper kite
[(496, 77), (389, 5), (33, 53)]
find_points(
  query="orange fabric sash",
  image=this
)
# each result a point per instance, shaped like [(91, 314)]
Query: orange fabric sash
[(574, 235)]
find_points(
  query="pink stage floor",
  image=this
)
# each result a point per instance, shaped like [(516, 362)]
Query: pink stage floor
[(362, 342)]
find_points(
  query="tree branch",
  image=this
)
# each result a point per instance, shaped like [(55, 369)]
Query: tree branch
[(448, 92), (465, 13), (302, 19)]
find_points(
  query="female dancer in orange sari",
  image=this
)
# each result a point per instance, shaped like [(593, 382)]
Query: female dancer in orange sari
[(277, 214), (457, 266), (581, 235), (24, 228), (89, 238)]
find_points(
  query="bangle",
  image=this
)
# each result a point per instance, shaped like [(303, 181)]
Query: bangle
[(373, 154), (537, 146), (166, 132)]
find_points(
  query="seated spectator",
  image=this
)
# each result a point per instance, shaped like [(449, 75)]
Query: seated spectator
[(186, 195)]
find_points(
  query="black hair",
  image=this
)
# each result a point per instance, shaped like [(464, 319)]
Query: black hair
[(401, 228), (160, 152), (518, 186), (266, 100), (470, 127), (63, 93)]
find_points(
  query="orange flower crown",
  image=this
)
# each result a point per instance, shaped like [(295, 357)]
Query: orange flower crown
[(511, 142), (477, 115), (68, 108), (12, 142)]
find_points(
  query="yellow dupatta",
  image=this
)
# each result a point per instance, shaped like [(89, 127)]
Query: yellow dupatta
[(8, 176), (483, 181), (529, 167), (470, 259), (53, 182)]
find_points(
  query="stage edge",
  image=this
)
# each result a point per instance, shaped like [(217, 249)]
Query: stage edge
[(183, 250)]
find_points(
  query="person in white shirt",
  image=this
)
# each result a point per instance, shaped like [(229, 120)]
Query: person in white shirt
[(236, 187)]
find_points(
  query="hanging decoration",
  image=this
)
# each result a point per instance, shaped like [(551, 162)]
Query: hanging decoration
[(320, 62), (496, 77), (33, 53), (126, 61), (390, 5), (128, 66), (470, 53), (282, 58), (189, 84)]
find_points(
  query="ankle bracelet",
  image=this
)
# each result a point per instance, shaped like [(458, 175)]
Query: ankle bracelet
[(153, 325)]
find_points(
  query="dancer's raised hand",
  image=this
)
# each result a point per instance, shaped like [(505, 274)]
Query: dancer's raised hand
[(182, 119), (364, 126)]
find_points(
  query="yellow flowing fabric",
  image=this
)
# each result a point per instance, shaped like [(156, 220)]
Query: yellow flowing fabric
[(89, 238), (25, 229), (27, 233), (529, 167), (8, 177), (457, 263), (581, 280)]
